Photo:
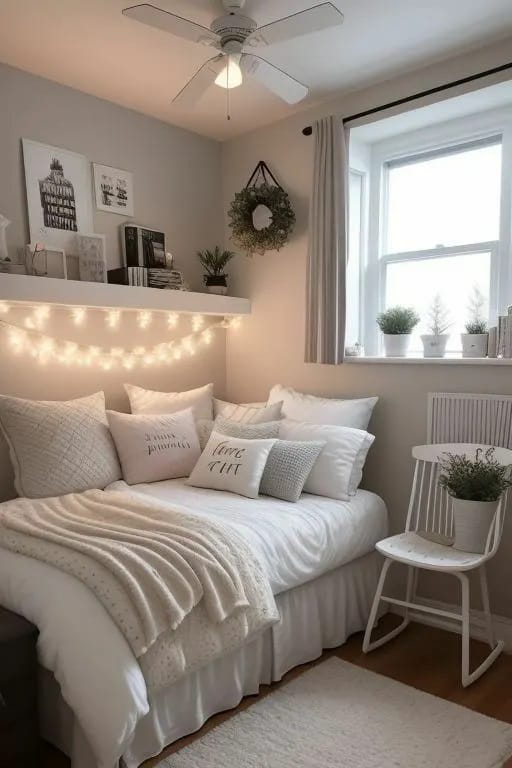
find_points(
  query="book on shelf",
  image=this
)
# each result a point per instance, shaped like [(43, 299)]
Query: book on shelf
[(135, 276), (492, 346)]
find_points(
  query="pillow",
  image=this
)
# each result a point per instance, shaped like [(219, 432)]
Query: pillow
[(247, 413), (288, 466), (231, 464), (338, 469), (59, 447), (263, 431), (149, 401), (323, 410), (155, 447), (204, 429)]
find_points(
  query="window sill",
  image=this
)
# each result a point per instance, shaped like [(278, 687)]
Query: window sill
[(429, 361)]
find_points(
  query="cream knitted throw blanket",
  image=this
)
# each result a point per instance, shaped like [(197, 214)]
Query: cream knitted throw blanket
[(182, 590)]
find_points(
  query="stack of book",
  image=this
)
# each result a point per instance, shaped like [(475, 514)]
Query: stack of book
[(500, 336), (170, 279)]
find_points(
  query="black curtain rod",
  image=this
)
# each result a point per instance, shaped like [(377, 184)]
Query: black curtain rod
[(438, 89)]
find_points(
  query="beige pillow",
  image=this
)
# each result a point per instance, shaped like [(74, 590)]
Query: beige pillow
[(247, 413), (59, 447), (155, 447), (149, 401), (353, 413)]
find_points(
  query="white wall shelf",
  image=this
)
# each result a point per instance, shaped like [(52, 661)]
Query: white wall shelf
[(48, 290)]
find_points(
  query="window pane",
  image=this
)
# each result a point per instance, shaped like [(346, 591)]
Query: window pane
[(416, 283), (352, 331), (445, 200)]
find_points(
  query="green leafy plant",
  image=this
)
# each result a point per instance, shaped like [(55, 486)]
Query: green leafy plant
[(480, 479), (476, 307), (214, 262), (398, 320), (438, 317)]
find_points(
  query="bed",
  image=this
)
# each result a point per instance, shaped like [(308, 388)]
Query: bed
[(319, 557)]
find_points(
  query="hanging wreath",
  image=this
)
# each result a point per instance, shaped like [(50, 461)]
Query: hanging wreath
[(262, 192)]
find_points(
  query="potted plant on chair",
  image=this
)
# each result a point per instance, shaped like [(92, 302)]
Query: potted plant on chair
[(475, 486), (434, 343), (214, 263), (396, 324), (476, 338)]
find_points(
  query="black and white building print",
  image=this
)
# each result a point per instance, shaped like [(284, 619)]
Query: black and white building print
[(58, 199)]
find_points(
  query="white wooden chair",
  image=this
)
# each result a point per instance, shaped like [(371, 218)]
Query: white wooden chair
[(426, 544)]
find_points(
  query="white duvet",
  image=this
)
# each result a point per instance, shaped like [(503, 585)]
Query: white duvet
[(82, 646)]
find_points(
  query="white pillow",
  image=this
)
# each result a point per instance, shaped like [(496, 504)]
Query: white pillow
[(155, 447), (59, 447), (247, 413), (232, 464), (338, 469), (323, 410), (149, 401)]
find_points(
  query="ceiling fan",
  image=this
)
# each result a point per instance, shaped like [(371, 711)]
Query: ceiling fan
[(235, 36)]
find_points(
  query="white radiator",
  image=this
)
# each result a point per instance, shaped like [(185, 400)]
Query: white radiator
[(463, 418)]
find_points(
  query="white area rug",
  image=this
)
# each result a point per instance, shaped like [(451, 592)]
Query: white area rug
[(337, 715)]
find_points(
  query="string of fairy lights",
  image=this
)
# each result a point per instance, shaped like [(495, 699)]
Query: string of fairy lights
[(30, 337)]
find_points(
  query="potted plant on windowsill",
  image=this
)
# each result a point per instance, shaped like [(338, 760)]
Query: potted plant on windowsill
[(214, 263), (475, 340), (475, 486), (434, 343), (396, 324)]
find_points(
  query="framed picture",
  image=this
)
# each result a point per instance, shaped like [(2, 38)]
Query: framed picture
[(113, 190), (92, 258), (59, 199), (45, 262)]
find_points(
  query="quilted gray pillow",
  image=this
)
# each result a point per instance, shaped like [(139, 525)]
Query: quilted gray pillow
[(59, 447), (288, 466), (263, 431)]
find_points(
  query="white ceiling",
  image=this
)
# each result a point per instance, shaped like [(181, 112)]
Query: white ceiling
[(89, 45)]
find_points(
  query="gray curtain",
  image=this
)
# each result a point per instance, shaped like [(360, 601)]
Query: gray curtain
[(327, 252)]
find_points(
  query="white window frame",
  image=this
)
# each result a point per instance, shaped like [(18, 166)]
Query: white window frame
[(438, 138)]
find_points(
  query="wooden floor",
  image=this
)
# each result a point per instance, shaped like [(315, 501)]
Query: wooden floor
[(423, 657)]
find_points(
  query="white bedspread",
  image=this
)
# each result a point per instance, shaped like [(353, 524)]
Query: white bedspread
[(82, 646)]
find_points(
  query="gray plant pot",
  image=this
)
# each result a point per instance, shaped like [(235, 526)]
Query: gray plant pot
[(434, 345), (472, 520), (474, 344)]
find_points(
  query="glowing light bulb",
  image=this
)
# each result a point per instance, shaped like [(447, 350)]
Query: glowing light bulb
[(128, 363), (139, 351), (93, 352), (113, 318), (107, 364), (177, 354), (207, 336), (117, 352), (41, 314), (234, 323), (17, 339), (4, 308), (197, 322), (78, 314), (172, 319), (149, 359), (29, 323), (231, 75), (144, 319)]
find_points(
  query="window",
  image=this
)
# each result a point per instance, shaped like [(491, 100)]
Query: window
[(438, 201)]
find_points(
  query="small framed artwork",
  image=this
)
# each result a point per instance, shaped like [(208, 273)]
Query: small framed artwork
[(45, 262), (113, 190), (92, 258), (59, 201)]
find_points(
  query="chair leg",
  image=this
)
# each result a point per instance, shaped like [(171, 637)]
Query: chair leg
[(469, 677), (367, 644), (486, 606)]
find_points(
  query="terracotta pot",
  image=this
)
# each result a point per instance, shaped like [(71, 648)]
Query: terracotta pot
[(472, 520)]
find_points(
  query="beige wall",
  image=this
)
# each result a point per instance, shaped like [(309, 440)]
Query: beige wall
[(177, 189), (269, 346)]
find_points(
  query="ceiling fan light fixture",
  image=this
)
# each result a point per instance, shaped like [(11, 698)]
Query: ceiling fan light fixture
[(231, 75)]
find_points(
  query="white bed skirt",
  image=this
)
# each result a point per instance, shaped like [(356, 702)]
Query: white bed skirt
[(315, 616)]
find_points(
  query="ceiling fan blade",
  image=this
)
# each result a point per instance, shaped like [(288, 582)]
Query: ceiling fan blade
[(274, 79), (323, 16), (169, 22), (201, 81)]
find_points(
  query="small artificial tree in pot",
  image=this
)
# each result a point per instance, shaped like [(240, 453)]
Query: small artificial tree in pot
[(214, 263), (475, 486), (434, 343), (396, 324), (476, 338)]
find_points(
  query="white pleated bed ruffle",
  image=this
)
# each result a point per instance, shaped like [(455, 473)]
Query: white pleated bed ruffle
[(315, 616)]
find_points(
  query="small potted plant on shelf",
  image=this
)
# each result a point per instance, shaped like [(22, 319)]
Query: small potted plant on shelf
[(214, 263), (475, 486), (475, 340), (434, 343), (396, 324)]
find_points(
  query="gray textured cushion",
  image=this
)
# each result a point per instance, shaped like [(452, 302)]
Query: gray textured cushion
[(264, 431), (287, 469), (59, 447)]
